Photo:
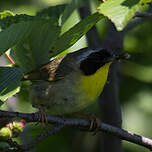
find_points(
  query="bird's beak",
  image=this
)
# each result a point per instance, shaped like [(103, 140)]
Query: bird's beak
[(113, 58)]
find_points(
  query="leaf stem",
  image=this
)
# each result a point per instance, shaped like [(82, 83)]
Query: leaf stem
[(9, 58)]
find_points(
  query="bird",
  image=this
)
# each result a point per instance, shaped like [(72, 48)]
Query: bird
[(69, 84)]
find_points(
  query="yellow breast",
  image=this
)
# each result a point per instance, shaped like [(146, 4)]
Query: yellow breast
[(93, 85)]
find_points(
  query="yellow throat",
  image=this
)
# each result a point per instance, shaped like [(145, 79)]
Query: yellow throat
[(93, 84)]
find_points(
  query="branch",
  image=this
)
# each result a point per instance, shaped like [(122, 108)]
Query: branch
[(73, 122), (143, 14), (139, 18)]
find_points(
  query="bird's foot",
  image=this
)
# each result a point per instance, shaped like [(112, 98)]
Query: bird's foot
[(42, 116), (94, 124), (94, 121)]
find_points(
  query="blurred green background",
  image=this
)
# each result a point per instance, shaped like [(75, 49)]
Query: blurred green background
[(135, 85)]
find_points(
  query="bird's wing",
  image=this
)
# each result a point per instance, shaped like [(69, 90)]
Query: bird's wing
[(49, 70), (66, 66), (55, 70)]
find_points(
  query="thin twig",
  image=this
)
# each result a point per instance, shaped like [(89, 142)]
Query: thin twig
[(41, 137), (9, 58), (73, 122), (15, 147), (143, 14)]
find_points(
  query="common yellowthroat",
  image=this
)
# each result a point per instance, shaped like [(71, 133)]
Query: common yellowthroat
[(69, 84)]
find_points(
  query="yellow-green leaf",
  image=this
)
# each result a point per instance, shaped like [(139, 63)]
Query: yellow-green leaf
[(120, 12)]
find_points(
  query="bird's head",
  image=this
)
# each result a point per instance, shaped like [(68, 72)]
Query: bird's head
[(91, 60)]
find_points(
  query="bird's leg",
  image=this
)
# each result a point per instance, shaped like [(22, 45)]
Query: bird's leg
[(42, 116)]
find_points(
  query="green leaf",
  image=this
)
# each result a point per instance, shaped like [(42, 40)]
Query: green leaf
[(64, 9), (16, 28), (23, 95), (70, 37), (40, 40), (10, 20), (52, 11), (10, 91), (1, 103), (33, 51), (70, 8), (5, 13), (9, 81), (24, 104), (120, 12), (146, 1), (13, 34)]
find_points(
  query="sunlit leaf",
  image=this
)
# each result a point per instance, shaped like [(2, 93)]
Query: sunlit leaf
[(5, 13), (120, 12), (146, 1)]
